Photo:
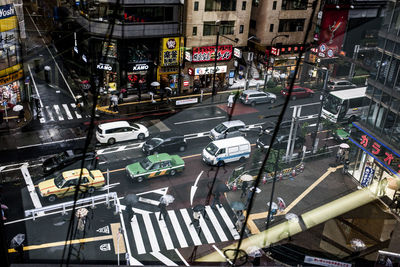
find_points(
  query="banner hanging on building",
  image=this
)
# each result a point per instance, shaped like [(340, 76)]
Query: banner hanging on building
[(207, 53), (170, 51)]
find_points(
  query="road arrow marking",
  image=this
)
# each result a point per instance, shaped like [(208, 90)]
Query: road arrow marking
[(149, 201), (193, 189), (161, 191), (104, 188)]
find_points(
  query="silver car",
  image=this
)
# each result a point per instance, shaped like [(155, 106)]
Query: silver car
[(227, 129), (253, 97)]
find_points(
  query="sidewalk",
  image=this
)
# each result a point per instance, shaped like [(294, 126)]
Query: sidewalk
[(10, 122)]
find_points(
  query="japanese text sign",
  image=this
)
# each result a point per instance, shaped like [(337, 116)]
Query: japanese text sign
[(367, 177), (170, 51), (207, 53)]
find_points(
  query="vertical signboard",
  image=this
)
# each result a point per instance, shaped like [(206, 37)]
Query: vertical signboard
[(170, 51), (367, 177)]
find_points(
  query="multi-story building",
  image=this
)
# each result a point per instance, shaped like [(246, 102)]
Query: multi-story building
[(377, 135), (143, 44), (203, 20)]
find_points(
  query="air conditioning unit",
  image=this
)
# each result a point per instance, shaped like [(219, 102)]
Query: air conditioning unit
[(299, 28)]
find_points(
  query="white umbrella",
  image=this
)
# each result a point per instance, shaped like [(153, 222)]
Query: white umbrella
[(17, 240), (344, 145), (246, 177), (283, 204), (274, 205), (258, 190), (291, 217), (253, 251), (357, 244), (155, 83), (18, 107), (167, 199)]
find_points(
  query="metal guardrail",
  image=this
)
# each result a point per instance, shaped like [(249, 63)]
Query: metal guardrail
[(62, 207)]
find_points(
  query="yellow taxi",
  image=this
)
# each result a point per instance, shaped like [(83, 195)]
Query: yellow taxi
[(65, 183)]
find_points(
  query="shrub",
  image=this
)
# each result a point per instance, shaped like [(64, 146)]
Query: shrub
[(271, 83), (359, 80)]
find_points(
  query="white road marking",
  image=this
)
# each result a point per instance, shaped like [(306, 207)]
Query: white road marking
[(54, 142), (69, 115), (149, 201), (150, 232), (163, 259), (31, 187), (216, 224), (204, 119), (58, 111), (164, 232), (140, 211), (193, 188), (177, 229), (191, 228), (49, 113), (182, 258), (206, 231), (222, 255), (229, 223), (137, 236), (160, 191), (76, 112)]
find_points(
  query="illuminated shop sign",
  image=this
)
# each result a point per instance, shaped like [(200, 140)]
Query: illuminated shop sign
[(170, 51), (12, 77), (206, 53), (140, 67), (209, 70), (379, 151), (6, 11), (104, 66)]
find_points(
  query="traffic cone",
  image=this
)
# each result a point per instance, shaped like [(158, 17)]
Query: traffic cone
[(302, 167), (294, 173), (264, 179), (234, 187), (280, 176)]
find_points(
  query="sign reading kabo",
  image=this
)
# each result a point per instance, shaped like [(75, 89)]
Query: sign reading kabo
[(104, 66), (140, 67)]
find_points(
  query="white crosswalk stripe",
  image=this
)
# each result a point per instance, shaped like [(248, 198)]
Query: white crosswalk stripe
[(56, 113), (151, 235)]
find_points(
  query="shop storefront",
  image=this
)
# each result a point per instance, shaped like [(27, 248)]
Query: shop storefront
[(374, 164), (139, 76)]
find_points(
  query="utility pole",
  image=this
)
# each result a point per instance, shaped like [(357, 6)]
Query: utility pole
[(214, 89), (322, 98)]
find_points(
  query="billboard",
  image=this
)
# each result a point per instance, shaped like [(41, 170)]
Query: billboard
[(207, 53), (170, 51)]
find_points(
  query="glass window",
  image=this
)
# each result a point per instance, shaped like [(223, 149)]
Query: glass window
[(241, 28), (373, 112), (253, 24), (194, 33), (294, 4), (196, 6), (209, 28), (271, 27), (291, 25), (255, 3), (220, 5), (274, 5), (227, 27), (244, 5)]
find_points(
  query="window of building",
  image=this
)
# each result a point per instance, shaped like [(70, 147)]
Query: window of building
[(148, 14), (226, 28), (241, 28), (255, 3), (291, 25), (196, 6), (194, 33), (244, 5), (253, 24), (274, 5), (220, 5), (271, 27), (294, 4)]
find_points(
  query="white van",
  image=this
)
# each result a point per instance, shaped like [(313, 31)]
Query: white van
[(111, 132), (227, 129), (226, 150)]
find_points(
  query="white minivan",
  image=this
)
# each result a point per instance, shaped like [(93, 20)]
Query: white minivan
[(227, 129), (111, 132), (227, 150)]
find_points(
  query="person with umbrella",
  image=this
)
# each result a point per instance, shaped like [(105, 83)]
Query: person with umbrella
[(17, 243), (245, 184), (21, 115), (196, 216), (131, 200), (164, 202), (217, 195)]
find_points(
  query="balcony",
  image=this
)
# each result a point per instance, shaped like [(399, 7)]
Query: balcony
[(131, 30)]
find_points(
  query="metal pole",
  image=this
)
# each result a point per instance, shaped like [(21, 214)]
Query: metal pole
[(214, 90), (296, 125), (291, 132), (322, 98), (273, 189)]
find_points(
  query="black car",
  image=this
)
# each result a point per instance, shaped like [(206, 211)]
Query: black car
[(269, 127), (164, 144), (281, 141), (64, 159)]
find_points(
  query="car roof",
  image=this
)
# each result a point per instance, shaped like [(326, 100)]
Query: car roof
[(159, 157), (339, 80), (240, 140), (73, 174), (115, 124), (168, 135), (233, 123), (252, 92)]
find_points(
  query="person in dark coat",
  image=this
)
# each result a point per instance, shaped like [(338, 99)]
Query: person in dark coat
[(215, 201), (129, 212), (163, 210), (245, 184), (21, 115)]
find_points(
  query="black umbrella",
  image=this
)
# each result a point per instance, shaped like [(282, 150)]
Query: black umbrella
[(17, 240), (131, 199), (237, 205), (198, 207), (221, 187)]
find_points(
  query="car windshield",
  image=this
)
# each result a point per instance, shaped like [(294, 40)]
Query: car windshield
[(61, 157), (220, 128), (59, 181), (332, 104), (154, 141), (212, 149), (145, 163)]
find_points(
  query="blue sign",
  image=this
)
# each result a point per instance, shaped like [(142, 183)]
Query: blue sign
[(4, 103), (7, 11), (367, 177), (232, 74)]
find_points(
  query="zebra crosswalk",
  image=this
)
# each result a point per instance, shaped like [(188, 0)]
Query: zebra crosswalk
[(152, 235), (61, 112)]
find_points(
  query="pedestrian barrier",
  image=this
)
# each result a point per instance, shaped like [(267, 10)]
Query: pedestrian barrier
[(85, 202)]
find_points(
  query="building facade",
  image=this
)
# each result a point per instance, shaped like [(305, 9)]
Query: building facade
[(377, 136)]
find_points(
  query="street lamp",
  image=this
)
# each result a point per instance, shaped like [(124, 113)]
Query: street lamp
[(266, 73)]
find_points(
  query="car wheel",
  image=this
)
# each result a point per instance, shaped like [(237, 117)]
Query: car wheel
[(111, 141), (140, 179), (294, 97), (91, 190), (242, 159), (141, 136), (272, 100), (182, 148), (52, 198), (172, 172), (351, 119), (221, 163), (253, 103)]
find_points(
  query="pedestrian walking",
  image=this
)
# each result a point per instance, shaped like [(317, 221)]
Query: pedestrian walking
[(382, 186), (245, 184), (215, 201), (231, 99), (196, 219), (249, 196), (129, 212), (37, 104), (163, 211), (114, 100), (121, 97), (21, 116)]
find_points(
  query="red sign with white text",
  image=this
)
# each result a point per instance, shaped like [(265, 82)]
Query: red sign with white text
[(206, 53)]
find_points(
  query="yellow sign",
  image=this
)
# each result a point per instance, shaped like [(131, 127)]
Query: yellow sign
[(170, 51), (12, 77)]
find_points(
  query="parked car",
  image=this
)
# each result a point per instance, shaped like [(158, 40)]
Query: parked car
[(281, 141), (340, 84), (298, 92), (253, 97), (64, 159), (227, 129), (65, 183), (154, 166), (164, 143), (111, 132)]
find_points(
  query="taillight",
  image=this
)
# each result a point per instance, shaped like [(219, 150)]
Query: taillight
[(247, 97)]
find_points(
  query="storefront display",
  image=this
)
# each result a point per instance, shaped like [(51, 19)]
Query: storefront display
[(11, 93)]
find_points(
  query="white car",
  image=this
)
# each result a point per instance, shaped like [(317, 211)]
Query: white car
[(111, 132)]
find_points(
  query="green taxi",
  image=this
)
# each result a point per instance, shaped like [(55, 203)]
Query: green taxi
[(154, 166)]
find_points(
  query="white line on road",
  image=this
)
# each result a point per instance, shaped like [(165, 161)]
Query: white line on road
[(149, 201), (34, 85), (69, 115), (205, 119), (182, 258), (222, 255), (58, 111), (163, 259), (164, 232), (137, 236), (216, 224), (54, 142), (49, 113), (76, 112), (31, 187), (191, 227), (150, 232), (177, 229)]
